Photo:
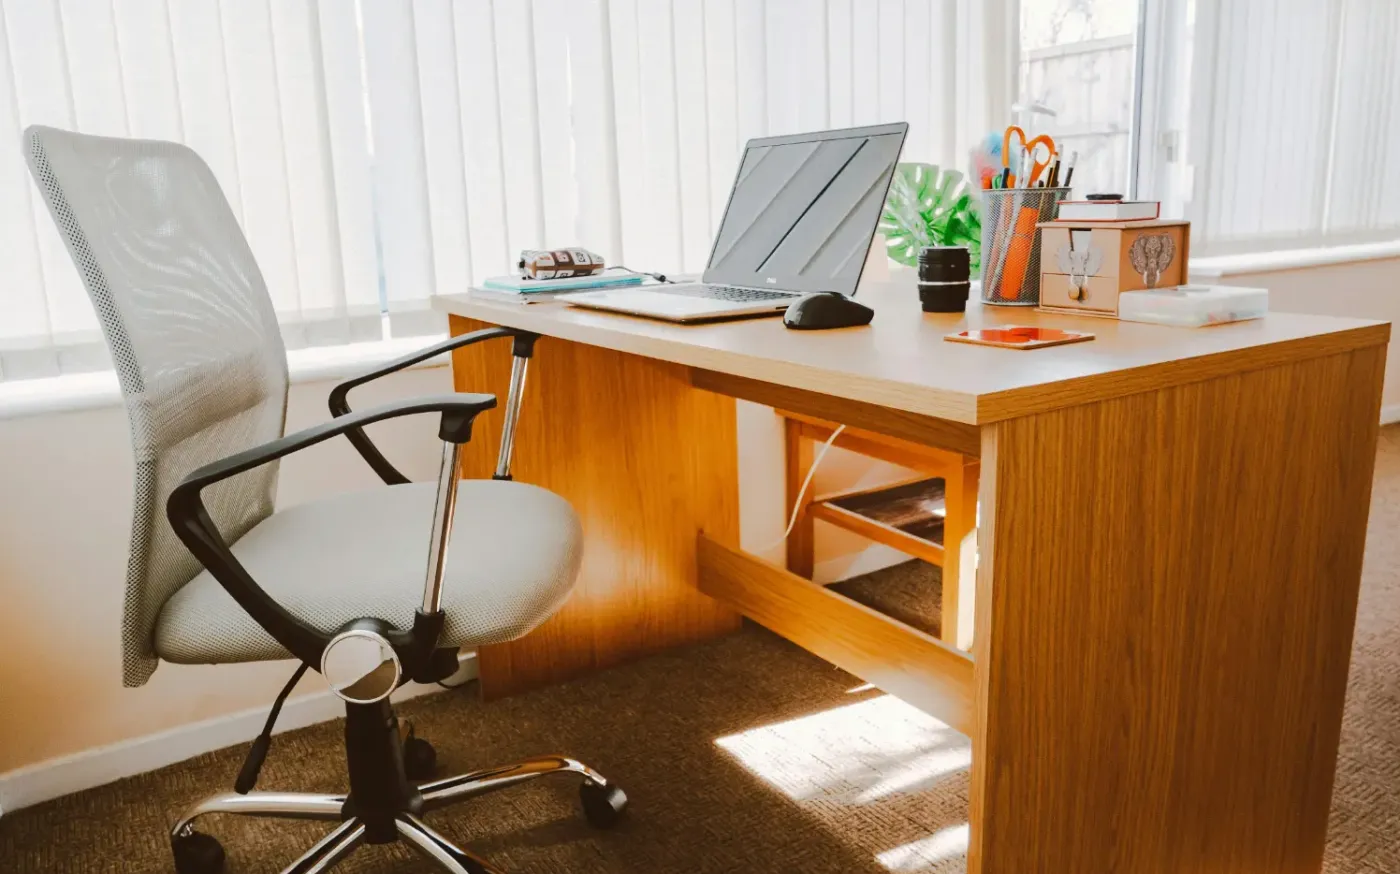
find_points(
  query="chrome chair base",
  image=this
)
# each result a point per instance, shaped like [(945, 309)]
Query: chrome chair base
[(198, 853)]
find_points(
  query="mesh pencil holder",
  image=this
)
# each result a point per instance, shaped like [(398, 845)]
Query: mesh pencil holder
[(1011, 242)]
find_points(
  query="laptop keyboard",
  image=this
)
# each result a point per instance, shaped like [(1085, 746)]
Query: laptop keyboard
[(730, 293)]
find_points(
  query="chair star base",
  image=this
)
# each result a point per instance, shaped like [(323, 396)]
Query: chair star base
[(382, 805)]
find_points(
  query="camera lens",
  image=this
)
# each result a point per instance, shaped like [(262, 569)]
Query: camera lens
[(945, 274)]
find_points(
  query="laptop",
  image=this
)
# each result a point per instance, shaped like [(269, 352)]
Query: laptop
[(800, 218)]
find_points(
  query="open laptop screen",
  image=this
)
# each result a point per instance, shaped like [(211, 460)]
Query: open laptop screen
[(804, 208)]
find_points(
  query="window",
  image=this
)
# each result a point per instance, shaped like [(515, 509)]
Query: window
[(1077, 59), (1265, 122), (378, 152)]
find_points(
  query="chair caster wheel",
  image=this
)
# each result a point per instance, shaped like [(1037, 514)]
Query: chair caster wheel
[(197, 853), (419, 757), (602, 805)]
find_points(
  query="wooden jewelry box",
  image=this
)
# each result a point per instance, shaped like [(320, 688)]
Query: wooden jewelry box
[(1086, 265)]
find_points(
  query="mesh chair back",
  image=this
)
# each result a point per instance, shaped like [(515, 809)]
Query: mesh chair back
[(192, 332)]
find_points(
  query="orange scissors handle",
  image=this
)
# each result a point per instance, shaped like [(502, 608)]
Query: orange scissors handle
[(1038, 166), (1006, 143)]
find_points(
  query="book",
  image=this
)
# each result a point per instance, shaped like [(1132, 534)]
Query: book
[(517, 297), (516, 285), (1108, 210)]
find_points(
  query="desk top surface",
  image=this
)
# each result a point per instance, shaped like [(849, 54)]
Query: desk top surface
[(902, 361)]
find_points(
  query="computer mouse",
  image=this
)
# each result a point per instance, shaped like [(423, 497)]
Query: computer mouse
[(826, 309)]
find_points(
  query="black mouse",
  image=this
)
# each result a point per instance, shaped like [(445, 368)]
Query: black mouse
[(826, 309)]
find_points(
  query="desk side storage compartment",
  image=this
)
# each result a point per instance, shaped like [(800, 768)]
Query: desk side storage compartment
[(1087, 265)]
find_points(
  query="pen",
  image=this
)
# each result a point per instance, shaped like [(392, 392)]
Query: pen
[(1069, 168)]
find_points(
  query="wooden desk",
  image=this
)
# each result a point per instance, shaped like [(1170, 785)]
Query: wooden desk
[(1172, 524)]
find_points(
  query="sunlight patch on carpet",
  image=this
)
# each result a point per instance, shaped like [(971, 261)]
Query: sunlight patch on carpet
[(926, 853), (852, 755)]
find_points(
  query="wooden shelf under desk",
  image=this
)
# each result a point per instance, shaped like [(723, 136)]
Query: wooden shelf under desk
[(928, 673), (862, 511), (907, 515)]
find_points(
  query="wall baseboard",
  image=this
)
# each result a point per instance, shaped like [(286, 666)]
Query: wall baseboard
[(1390, 414), (54, 778)]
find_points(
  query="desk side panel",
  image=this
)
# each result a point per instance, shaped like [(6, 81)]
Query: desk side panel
[(1164, 622), (647, 461)]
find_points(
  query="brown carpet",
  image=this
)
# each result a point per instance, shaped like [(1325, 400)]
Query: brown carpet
[(745, 754), (841, 776), (911, 592)]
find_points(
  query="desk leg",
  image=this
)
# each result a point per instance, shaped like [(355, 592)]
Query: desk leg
[(647, 462), (1164, 623), (801, 542), (959, 552)]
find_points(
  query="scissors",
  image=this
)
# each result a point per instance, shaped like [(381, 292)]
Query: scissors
[(1031, 146)]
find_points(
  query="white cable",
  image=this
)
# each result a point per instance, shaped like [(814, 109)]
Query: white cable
[(797, 505)]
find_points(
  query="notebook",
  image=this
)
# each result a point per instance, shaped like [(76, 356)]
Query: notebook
[(1108, 210), (521, 297)]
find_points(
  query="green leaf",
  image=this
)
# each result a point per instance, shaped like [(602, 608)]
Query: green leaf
[(929, 206)]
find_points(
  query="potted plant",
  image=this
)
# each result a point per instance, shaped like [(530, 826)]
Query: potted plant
[(931, 206)]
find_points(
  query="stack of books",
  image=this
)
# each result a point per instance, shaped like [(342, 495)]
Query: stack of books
[(514, 289)]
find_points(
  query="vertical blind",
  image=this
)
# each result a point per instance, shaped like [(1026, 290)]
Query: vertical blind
[(270, 94), (379, 152), (1294, 107)]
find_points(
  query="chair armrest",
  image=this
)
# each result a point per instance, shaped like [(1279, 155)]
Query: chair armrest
[(340, 405), (190, 518)]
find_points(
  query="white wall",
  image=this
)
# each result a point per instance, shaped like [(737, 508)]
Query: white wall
[(65, 508), (763, 515)]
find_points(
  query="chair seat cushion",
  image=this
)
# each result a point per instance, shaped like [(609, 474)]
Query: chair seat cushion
[(511, 562)]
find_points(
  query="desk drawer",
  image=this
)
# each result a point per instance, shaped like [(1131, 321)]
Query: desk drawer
[(1100, 294)]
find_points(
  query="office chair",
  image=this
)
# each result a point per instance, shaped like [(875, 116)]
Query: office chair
[(334, 583)]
